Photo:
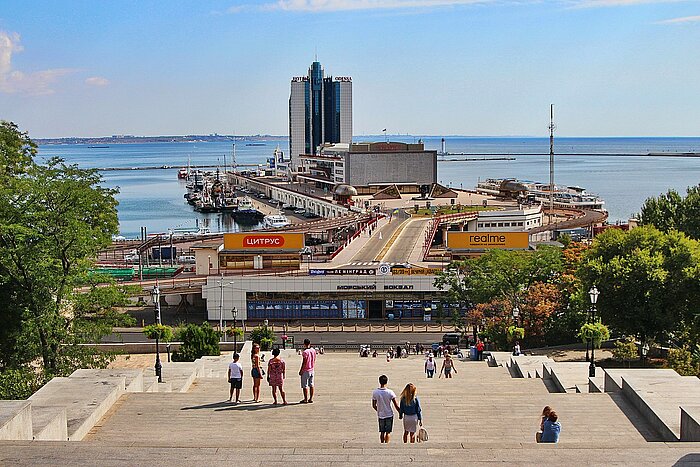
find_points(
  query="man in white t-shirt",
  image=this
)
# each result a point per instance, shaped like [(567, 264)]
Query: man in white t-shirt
[(430, 366), (235, 377), (382, 398)]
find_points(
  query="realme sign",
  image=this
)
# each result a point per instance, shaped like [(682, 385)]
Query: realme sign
[(486, 240)]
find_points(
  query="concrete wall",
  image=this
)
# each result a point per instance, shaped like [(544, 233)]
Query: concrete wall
[(690, 424), (15, 420), (363, 169)]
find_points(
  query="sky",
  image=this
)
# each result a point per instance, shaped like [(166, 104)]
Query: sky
[(420, 67)]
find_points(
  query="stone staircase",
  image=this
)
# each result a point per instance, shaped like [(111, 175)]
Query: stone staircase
[(482, 415)]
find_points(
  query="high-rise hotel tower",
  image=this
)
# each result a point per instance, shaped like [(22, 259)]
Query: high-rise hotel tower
[(320, 111)]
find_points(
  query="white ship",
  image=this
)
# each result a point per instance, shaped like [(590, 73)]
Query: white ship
[(527, 191), (274, 221)]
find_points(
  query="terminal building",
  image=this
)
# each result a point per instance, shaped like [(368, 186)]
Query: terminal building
[(370, 167), (337, 294)]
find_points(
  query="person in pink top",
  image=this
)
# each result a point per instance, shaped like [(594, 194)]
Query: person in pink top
[(308, 361)]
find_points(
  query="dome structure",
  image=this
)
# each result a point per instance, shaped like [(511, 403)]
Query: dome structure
[(345, 190)]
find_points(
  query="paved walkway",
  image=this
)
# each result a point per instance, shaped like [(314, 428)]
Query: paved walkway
[(482, 415)]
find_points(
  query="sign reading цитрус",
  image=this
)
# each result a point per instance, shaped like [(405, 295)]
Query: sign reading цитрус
[(263, 241)]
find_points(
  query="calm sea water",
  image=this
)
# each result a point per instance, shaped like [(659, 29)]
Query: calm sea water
[(154, 198)]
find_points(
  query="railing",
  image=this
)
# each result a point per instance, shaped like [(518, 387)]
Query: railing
[(361, 327), (435, 223)]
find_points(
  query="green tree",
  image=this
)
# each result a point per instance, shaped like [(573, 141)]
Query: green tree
[(54, 218), (683, 361), (197, 341), (671, 211), (648, 280), (625, 350)]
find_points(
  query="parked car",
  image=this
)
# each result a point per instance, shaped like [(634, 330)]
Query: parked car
[(132, 258), (187, 259), (288, 207), (300, 211), (311, 215)]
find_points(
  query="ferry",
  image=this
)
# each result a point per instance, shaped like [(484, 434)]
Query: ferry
[(274, 221), (527, 191)]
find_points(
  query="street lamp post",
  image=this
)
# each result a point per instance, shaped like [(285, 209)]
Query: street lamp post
[(593, 294), (234, 312), (155, 295)]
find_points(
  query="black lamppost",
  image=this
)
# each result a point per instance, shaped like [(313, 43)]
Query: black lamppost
[(234, 312), (155, 295), (593, 294)]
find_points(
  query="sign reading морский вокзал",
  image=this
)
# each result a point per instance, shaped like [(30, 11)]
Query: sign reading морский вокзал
[(486, 240)]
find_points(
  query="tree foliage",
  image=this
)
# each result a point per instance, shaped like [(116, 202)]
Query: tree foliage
[(54, 218), (684, 362), (159, 331), (264, 336), (197, 341), (648, 280), (671, 211), (625, 350)]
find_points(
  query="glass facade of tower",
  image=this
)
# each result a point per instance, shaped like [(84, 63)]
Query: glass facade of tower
[(320, 109)]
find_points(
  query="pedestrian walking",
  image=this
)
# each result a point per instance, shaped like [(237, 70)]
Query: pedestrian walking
[(235, 378), (308, 362), (410, 412), (382, 399), (256, 372), (276, 372), (448, 366), (430, 366)]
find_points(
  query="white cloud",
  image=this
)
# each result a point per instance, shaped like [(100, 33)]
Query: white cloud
[(37, 83), (346, 5), (683, 20), (615, 3), (97, 81)]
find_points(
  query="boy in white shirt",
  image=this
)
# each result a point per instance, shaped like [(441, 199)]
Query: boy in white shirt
[(235, 377), (382, 398)]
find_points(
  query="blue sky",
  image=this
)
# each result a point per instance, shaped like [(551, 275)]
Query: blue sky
[(467, 67)]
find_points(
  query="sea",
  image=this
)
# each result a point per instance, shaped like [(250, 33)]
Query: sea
[(617, 169)]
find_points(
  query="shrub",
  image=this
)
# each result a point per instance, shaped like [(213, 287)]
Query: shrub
[(238, 332), (683, 362), (197, 341), (515, 334), (264, 336), (625, 350), (160, 331), (596, 333)]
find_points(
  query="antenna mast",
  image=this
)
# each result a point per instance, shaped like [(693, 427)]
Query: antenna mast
[(551, 161)]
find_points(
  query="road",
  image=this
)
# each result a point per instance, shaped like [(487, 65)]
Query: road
[(375, 245), (318, 337), (412, 233)]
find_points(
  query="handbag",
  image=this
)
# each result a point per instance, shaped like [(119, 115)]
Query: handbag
[(422, 435)]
